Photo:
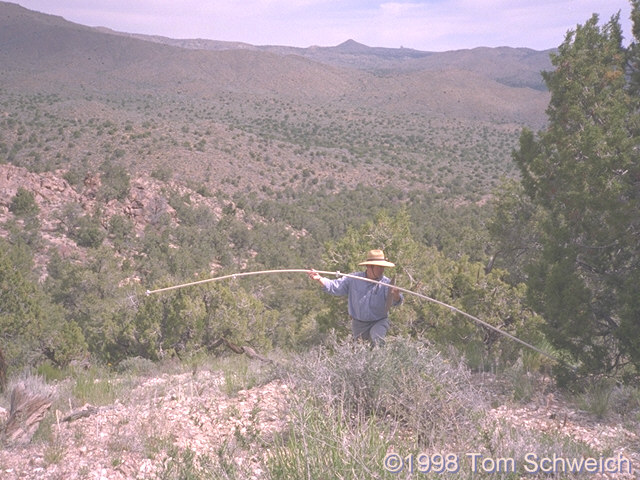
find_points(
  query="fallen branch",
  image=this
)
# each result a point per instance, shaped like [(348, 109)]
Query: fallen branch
[(83, 412), (247, 350)]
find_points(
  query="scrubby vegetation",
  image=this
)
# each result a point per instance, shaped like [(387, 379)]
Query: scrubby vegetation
[(446, 243), (355, 415), (341, 409), (544, 247)]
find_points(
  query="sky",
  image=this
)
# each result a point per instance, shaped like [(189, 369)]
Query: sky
[(429, 25)]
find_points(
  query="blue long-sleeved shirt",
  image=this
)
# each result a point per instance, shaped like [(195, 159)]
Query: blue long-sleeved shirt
[(367, 301)]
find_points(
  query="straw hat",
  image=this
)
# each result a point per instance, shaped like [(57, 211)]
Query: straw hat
[(376, 257)]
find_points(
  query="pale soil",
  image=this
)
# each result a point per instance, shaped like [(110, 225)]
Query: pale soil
[(617, 435), (129, 439)]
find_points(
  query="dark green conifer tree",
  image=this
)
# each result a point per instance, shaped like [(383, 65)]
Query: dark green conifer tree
[(583, 172)]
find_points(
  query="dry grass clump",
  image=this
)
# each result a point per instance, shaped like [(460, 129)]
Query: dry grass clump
[(354, 404), (387, 412), (413, 388)]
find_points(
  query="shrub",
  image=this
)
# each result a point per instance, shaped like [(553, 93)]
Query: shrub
[(24, 203), (120, 230), (188, 320), (162, 173), (115, 182), (89, 232), (352, 406), (596, 397), (75, 175), (384, 383)]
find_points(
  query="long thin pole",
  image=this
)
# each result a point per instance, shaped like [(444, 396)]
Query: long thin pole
[(233, 275), (338, 274)]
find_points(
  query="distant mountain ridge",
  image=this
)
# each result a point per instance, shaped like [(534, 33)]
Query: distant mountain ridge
[(42, 52), (517, 67)]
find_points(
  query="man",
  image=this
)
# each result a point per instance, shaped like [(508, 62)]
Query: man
[(368, 302)]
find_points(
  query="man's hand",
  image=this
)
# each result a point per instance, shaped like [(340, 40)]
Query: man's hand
[(395, 294), (313, 275)]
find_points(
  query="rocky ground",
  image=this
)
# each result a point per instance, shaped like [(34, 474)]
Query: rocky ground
[(174, 412), (161, 425), (616, 435)]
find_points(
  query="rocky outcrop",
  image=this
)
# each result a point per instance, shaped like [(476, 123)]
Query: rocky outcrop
[(146, 202)]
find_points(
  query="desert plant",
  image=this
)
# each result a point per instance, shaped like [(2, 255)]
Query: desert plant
[(30, 400), (185, 464), (24, 203), (116, 182), (328, 445), (596, 397), (89, 232), (383, 383), (356, 408), (525, 383), (96, 386)]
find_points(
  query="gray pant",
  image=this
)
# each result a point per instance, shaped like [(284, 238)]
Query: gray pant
[(372, 331)]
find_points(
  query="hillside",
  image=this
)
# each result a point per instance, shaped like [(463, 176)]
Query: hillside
[(248, 120), (51, 53), (515, 67), (130, 163), (279, 139), (238, 419), (271, 130)]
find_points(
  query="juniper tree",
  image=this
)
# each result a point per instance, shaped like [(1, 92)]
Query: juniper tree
[(24, 203), (32, 327), (583, 172)]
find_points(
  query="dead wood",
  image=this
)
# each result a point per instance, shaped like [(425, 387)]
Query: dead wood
[(82, 412), (3, 372), (251, 353), (247, 350), (26, 412)]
